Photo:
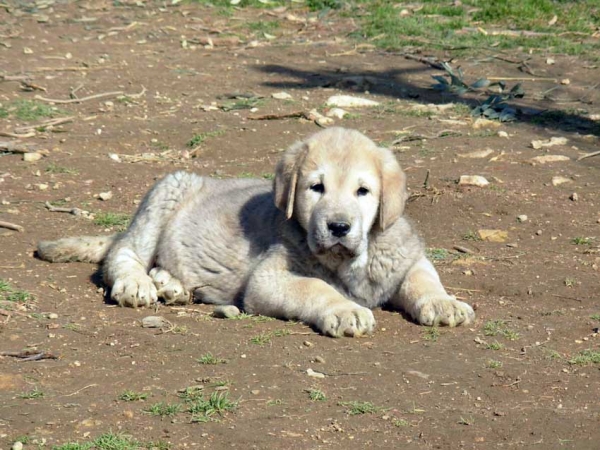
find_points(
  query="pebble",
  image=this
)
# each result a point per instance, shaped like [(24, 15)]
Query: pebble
[(503, 134), (18, 445), (114, 157), (53, 316), (104, 196), (42, 186), (478, 154), (472, 180), (537, 144), (312, 373), (558, 180), (308, 344), (347, 101), (337, 113), (574, 197), (319, 359), (549, 158), (281, 96), (154, 322), (522, 218), (32, 156), (226, 311), (538, 232)]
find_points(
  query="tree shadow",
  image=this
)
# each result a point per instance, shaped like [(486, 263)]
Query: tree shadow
[(386, 84)]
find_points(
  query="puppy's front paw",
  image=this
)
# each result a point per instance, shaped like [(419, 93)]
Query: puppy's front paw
[(347, 320), (134, 291), (169, 288), (442, 310)]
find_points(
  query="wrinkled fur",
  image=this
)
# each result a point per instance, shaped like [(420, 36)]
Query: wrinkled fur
[(271, 249)]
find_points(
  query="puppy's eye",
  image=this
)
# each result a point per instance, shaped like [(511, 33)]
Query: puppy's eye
[(319, 187), (362, 191)]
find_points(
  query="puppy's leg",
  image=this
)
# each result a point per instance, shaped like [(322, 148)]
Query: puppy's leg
[(275, 292), (423, 297), (169, 288), (130, 258)]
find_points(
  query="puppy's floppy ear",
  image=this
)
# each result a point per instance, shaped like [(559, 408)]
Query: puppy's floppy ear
[(393, 189), (286, 176)]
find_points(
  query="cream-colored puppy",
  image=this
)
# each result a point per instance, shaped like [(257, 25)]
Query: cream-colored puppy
[(324, 245)]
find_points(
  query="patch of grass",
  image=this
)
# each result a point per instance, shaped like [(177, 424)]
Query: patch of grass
[(316, 395), (400, 423), (552, 354), (268, 176), (262, 339), (54, 168), (471, 236), (431, 334), (586, 357), (242, 103), (210, 359), (275, 402), (113, 441), (595, 317), (440, 24), (112, 220), (319, 5), (570, 282), (467, 421), (29, 110), (246, 175), (192, 393), (203, 409), (437, 254), (493, 364), (263, 26), (10, 294), (358, 408), (200, 138), (35, 393), (164, 409), (581, 241), (131, 396), (494, 346), (3, 112), (499, 328)]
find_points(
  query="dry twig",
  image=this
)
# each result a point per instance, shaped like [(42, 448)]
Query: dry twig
[(11, 226), (29, 355), (588, 155)]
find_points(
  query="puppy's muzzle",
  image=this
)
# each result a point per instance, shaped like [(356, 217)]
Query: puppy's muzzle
[(338, 229)]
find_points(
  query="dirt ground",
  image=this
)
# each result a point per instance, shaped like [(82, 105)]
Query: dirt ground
[(510, 380)]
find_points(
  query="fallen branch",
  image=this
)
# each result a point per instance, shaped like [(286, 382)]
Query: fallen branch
[(74, 211), (292, 115), (15, 147), (567, 298), (429, 61), (79, 100), (29, 355), (14, 77), (48, 124), (11, 226), (16, 135), (588, 155), (418, 137)]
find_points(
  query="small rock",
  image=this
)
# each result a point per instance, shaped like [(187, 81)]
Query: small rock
[(565, 81), (478, 154), (473, 180), (53, 316), (319, 359), (493, 235), (32, 156), (537, 144), (105, 195), (550, 61), (255, 392), (226, 311), (154, 322), (319, 118), (538, 232), (522, 218), (27, 51), (281, 96), (337, 113), (347, 101), (114, 157), (574, 197), (42, 186), (558, 180), (308, 344), (484, 123), (18, 445), (549, 159), (312, 373), (503, 134)]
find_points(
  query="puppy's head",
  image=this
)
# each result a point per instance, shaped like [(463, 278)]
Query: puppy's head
[(338, 184)]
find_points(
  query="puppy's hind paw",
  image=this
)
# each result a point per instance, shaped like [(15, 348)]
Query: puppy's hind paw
[(350, 320), (443, 310), (134, 291)]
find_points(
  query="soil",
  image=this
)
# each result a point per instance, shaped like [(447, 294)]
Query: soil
[(432, 389)]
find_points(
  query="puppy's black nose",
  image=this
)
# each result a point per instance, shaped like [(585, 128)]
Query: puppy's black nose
[(339, 229)]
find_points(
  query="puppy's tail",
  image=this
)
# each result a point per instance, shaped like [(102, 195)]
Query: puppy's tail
[(81, 248)]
